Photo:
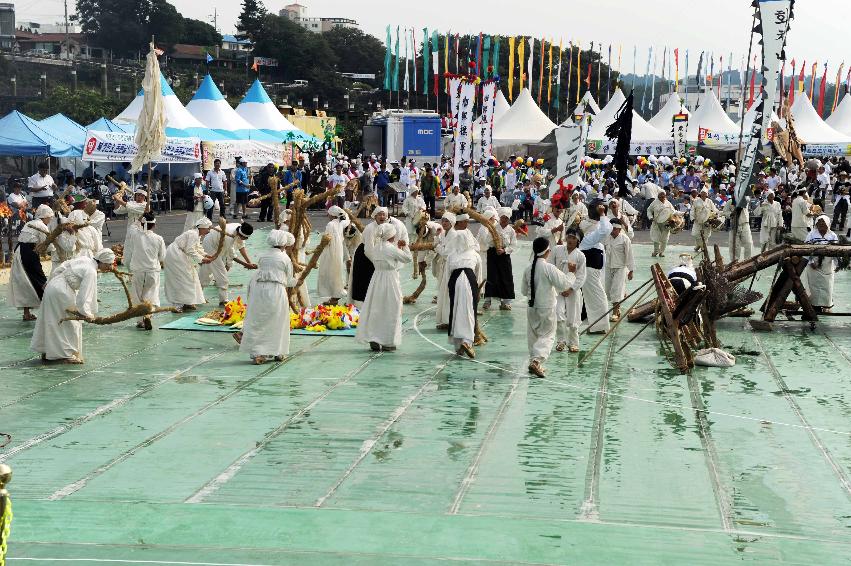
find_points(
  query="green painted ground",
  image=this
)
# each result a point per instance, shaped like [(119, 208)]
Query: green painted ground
[(170, 448)]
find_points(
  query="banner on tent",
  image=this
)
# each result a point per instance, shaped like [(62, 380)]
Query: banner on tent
[(256, 153), (570, 141), (607, 147), (716, 140), (680, 130), (121, 146), (826, 149)]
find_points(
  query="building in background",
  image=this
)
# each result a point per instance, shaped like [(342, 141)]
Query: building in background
[(7, 25), (297, 13), (231, 43), (58, 27)]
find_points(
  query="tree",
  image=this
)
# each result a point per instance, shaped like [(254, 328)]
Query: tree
[(83, 106), (119, 25), (356, 51), (251, 20), (165, 23), (196, 32), (301, 54)]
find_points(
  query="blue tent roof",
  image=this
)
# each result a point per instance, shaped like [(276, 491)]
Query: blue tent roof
[(105, 125), (227, 38), (257, 94), (166, 88), (208, 90), (24, 136), (65, 129)]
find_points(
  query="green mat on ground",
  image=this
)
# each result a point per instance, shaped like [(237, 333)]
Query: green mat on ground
[(188, 323)]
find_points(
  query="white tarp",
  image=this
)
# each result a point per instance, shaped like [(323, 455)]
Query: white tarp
[(120, 147), (524, 123)]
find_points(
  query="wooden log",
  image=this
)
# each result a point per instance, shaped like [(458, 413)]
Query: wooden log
[(497, 239), (412, 298), (221, 229), (135, 311), (314, 260), (790, 266)]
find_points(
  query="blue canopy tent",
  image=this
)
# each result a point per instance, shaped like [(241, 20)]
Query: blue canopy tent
[(65, 129), (105, 125), (23, 136)]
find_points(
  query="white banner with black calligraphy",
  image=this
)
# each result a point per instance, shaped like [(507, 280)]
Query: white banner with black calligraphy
[(570, 144), (454, 88), (484, 125), (774, 18), (464, 126), (679, 132)]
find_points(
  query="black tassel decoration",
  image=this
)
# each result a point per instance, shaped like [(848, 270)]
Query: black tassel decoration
[(621, 129)]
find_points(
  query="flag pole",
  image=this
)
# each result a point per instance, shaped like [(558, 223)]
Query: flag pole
[(150, 170)]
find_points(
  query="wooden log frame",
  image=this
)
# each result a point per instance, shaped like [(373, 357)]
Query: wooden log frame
[(132, 311), (791, 283), (222, 229), (423, 237), (497, 239), (667, 325), (314, 260)]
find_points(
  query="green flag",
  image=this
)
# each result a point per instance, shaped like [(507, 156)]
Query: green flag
[(495, 57), (426, 53), (435, 64), (387, 80), (486, 55)]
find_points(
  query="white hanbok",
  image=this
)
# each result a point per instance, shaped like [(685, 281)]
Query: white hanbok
[(820, 271), (381, 315), (569, 309), (331, 282), (464, 254), (144, 259), (197, 211), (740, 240), (801, 219), (659, 213), (266, 329), (218, 269), (541, 317), (440, 270), (701, 211), (772, 222), (134, 211), (182, 258), (22, 294), (74, 286), (593, 291), (619, 263)]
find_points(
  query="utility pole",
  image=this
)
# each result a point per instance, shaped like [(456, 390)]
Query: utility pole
[(215, 17), (67, 35)]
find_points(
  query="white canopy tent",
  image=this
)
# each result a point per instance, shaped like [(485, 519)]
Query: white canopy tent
[(211, 109), (809, 126), (176, 114), (501, 107), (711, 116), (663, 120), (641, 130), (590, 104), (258, 110), (840, 120), (750, 115), (524, 123)]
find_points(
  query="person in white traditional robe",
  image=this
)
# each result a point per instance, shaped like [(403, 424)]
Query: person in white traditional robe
[(464, 266), (702, 210), (772, 221), (380, 323), (182, 259), (144, 258), (620, 266), (440, 269), (578, 210), (97, 219), (26, 278), (659, 213), (266, 328), (455, 201), (553, 227), (64, 247), (411, 208), (75, 287), (134, 209), (821, 271), (542, 281), (500, 275), (362, 268), (235, 236), (739, 239), (487, 200), (483, 236), (197, 205), (569, 259), (331, 282), (801, 217), (594, 291), (615, 212), (88, 240)]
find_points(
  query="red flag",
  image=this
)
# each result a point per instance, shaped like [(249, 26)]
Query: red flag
[(821, 92), (801, 76), (255, 67), (588, 78), (782, 86)]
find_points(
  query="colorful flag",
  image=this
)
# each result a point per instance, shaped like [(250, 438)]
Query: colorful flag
[(486, 55), (210, 58), (531, 66), (550, 79), (609, 79), (406, 83), (425, 60), (753, 86), (646, 78), (821, 91), (396, 66), (541, 74), (511, 68), (495, 57), (569, 72), (793, 84), (653, 83), (599, 68), (836, 90), (720, 75), (588, 78), (255, 67), (813, 81), (388, 84), (480, 71), (634, 59), (801, 79), (558, 76), (521, 49), (676, 69), (414, 57), (578, 70), (435, 63)]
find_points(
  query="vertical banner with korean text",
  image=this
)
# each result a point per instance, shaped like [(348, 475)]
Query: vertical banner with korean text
[(484, 125), (570, 144), (680, 129), (464, 126)]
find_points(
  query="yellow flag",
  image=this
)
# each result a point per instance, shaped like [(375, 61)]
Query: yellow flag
[(550, 81), (520, 51), (511, 68)]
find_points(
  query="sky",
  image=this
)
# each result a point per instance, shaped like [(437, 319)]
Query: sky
[(716, 26)]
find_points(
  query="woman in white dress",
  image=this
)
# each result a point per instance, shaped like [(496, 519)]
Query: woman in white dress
[(820, 271), (440, 269), (266, 329), (134, 209), (74, 286), (27, 278), (381, 316), (145, 258), (182, 258), (542, 281), (331, 283), (197, 204)]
